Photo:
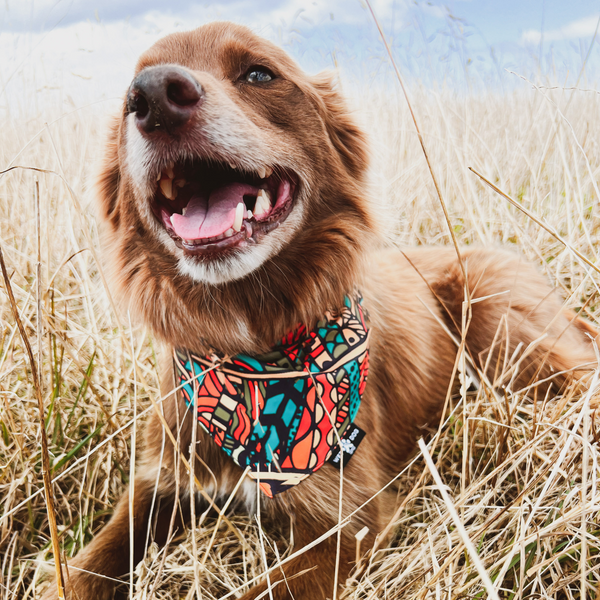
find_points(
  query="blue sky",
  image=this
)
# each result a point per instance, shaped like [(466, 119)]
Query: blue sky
[(81, 51)]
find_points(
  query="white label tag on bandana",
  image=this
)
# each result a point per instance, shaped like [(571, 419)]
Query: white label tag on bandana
[(353, 436)]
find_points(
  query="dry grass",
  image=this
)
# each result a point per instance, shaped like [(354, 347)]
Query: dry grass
[(522, 475)]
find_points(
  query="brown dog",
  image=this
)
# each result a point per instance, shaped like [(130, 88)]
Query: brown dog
[(218, 117)]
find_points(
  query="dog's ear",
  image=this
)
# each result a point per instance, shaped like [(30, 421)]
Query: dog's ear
[(107, 184), (347, 138)]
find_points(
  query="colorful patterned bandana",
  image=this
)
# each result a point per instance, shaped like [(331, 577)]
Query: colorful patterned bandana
[(285, 412)]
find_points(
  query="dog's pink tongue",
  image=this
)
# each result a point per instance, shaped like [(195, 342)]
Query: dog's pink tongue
[(210, 219), (221, 208), (188, 227)]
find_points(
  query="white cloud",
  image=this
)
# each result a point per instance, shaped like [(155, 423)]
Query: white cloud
[(435, 11), (19, 15), (86, 61), (80, 63), (580, 28)]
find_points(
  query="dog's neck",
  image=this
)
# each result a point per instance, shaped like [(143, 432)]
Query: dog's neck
[(245, 316)]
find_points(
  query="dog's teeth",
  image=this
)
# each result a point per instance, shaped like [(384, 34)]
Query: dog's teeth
[(239, 216), (166, 186), (249, 214), (263, 203), (158, 176), (229, 232), (179, 183), (267, 202), (169, 171), (262, 172), (268, 172), (232, 165), (183, 211), (259, 206)]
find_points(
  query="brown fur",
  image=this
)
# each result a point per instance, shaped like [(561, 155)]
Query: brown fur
[(413, 299)]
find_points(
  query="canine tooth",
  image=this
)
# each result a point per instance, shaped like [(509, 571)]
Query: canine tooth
[(239, 216), (232, 165), (249, 214), (166, 186), (229, 232), (159, 176), (268, 172), (263, 203), (183, 211), (259, 206), (169, 171), (179, 182), (262, 172)]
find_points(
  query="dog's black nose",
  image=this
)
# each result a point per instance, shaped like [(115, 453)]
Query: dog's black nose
[(163, 98)]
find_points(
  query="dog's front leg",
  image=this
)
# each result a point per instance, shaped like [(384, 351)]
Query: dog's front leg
[(92, 574), (314, 509), (311, 574)]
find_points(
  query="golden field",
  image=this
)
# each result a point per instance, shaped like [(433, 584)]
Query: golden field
[(521, 473)]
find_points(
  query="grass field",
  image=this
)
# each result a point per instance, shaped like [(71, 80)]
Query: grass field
[(521, 474)]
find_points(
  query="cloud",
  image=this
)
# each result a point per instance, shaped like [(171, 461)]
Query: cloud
[(19, 16), (581, 28)]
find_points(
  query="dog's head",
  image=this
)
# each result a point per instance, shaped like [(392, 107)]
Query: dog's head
[(233, 184)]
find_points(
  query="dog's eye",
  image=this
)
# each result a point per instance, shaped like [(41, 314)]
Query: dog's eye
[(259, 75)]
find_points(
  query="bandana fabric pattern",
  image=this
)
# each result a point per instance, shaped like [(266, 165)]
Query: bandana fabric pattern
[(278, 413)]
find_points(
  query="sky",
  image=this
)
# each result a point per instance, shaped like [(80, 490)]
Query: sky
[(73, 53)]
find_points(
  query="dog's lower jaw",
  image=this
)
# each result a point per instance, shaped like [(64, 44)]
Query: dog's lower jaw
[(237, 265), (242, 263)]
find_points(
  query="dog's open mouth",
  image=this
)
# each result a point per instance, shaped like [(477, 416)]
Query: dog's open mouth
[(208, 208)]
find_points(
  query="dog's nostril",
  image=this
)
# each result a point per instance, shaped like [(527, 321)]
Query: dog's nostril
[(136, 103), (183, 93)]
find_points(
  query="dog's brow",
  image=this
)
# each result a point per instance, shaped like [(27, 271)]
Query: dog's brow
[(240, 59)]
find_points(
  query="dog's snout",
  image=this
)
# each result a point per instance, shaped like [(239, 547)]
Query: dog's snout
[(164, 98)]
